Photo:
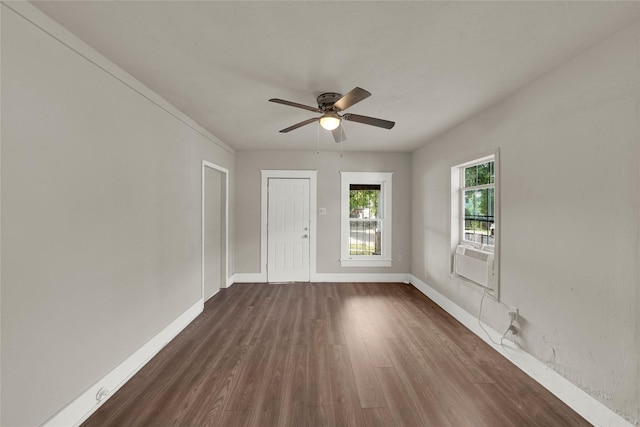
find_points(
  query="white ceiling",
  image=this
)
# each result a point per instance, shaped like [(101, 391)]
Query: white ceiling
[(429, 65)]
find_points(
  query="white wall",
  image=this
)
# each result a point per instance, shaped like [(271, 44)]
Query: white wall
[(101, 216), (328, 165), (570, 206)]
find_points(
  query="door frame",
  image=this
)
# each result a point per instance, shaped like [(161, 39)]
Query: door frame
[(225, 172), (312, 176)]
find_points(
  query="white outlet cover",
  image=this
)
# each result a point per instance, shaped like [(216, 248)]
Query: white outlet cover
[(322, 211)]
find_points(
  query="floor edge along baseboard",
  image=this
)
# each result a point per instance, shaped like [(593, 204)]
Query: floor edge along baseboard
[(86, 404), (584, 404)]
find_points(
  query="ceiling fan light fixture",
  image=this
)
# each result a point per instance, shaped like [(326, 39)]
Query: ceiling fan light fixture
[(330, 121), (331, 106)]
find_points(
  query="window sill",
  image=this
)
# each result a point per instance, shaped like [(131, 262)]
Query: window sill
[(365, 262), (478, 246)]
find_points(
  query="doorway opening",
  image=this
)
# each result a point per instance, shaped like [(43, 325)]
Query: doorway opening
[(215, 229)]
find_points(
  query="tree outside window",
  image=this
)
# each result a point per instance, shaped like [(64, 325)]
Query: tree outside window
[(479, 200), (365, 219), (364, 229)]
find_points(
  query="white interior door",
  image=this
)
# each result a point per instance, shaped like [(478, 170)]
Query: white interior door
[(288, 233)]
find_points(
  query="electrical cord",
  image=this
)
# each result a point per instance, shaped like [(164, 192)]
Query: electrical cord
[(484, 293)]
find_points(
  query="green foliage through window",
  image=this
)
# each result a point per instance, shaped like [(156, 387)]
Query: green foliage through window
[(364, 200), (481, 174), (479, 203), (364, 230)]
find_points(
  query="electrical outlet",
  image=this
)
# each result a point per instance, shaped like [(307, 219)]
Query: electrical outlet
[(514, 329), (513, 314), (399, 258)]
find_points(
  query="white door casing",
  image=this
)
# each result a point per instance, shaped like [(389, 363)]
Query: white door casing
[(223, 253), (214, 232), (288, 230)]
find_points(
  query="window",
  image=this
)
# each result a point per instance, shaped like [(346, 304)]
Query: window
[(475, 224), (366, 219), (478, 201)]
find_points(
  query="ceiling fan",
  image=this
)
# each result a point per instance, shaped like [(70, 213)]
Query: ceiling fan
[(331, 105)]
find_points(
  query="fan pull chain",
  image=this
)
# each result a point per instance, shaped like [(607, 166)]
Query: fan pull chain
[(318, 138)]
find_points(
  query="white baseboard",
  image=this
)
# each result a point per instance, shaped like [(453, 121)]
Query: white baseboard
[(359, 277), (86, 404), (329, 277), (249, 278), (230, 281), (584, 404)]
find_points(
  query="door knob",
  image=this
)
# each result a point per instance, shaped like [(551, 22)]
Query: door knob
[(304, 236)]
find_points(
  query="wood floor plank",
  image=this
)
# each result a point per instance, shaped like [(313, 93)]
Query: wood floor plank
[(420, 382), (378, 353), (320, 416), (369, 392), (346, 402), (329, 354), (290, 315), (335, 317), (319, 332), (235, 418), (318, 376), (269, 396), (293, 411), (195, 375), (208, 408), (245, 392), (377, 417), (402, 406)]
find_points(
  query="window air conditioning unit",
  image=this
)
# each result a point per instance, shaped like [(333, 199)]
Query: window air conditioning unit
[(474, 265)]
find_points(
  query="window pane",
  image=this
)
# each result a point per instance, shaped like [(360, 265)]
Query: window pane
[(493, 175), (479, 225), (479, 174), (470, 176), (484, 173), (364, 200), (364, 238)]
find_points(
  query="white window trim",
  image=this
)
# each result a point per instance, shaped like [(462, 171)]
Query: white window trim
[(456, 213), (384, 179)]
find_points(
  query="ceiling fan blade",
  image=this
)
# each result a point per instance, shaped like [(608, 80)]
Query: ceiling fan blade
[(338, 134), (299, 125), (295, 104), (368, 120), (351, 98)]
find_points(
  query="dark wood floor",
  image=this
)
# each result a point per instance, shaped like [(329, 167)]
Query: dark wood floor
[(329, 354)]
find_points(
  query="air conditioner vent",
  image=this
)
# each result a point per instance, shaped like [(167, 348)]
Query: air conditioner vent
[(480, 255), (474, 265)]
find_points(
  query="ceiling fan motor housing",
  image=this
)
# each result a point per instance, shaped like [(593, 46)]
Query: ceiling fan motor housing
[(326, 100)]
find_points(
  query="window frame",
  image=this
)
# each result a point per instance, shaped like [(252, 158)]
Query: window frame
[(384, 179), (462, 189), (456, 216)]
